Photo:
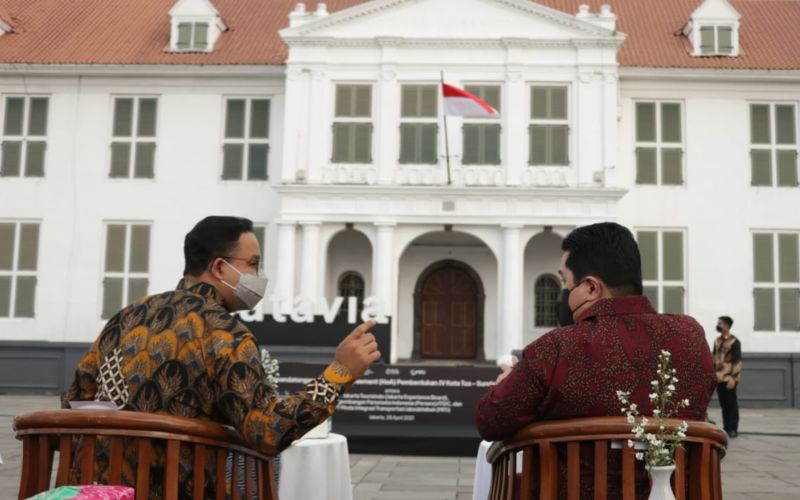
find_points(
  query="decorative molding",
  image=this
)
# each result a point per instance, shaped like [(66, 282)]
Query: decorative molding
[(349, 174), (465, 43)]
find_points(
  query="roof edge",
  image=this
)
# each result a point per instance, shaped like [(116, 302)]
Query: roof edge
[(222, 70)]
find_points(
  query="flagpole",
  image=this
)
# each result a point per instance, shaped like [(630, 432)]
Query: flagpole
[(446, 140)]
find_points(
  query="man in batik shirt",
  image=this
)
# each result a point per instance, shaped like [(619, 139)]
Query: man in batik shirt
[(575, 371), (728, 362), (183, 353)]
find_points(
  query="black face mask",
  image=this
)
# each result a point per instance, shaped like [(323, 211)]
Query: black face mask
[(564, 311), (719, 329)]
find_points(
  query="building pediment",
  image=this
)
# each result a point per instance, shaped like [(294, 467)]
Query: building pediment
[(448, 20)]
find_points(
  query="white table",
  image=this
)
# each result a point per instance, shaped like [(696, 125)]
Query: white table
[(483, 472), (317, 469)]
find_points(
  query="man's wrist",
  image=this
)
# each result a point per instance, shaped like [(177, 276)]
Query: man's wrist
[(337, 373)]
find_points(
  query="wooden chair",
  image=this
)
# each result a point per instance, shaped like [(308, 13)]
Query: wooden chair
[(44, 432), (704, 447)]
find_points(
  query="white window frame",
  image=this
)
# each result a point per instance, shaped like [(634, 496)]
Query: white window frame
[(487, 120), (698, 43), (15, 272), (126, 273), (776, 285), (660, 283), (421, 120), (134, 138), (659, 144), (24, 138), (773, 147), (354, 119), (536, 297), (192, 39), (246, 141), (542, 121)]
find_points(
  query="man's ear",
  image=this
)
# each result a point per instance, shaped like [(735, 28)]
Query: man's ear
[(596, 286), (216, 268)]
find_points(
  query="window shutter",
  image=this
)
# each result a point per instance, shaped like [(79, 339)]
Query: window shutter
[(15, 111), (257, 162), (428, 149), (184, 36), (539, 101), (147, 117), (645, 165), (123, 117), (144, 165), (670, 122), (672, 166), (140, 249), (12, 158), (115, 248), (788, 258), (137, 288), (785, 125), (362, 101), (37, 118), (5, 296), (232, 161), (112, 297), (34, 159), (538, 144), (259, 232), (259, 118), (7, 231), (645, 121), (559, 145), (362, 138), (428, 101), (120, 159), (651, 292), (28, 247), (725, 39), (764, 308), (789, 306), (787, 167), (648, 249), (673, 300), (761, 167), (707, 40), (558, 103), (341, 142), (409, 99), (672, 258), (759, 124), (234, 118), (471, 153), (407, 143), (492, 144), (26, 297), (763, 267), (201, 36), (344, 100)]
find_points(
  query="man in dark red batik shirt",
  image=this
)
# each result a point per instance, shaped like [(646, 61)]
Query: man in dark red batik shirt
[(575, 371)]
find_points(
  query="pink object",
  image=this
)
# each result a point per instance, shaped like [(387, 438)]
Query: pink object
[(105, 493)]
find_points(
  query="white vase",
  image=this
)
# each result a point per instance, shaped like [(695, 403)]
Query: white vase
[(661, 489)]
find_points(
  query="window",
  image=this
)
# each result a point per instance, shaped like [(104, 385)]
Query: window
[(351, 284), (773, 149), (659, 143), (246, 141), (260, 231), (192, 36), (776, 277), (127, 264), (19, 255), (481, 136), (545, 291), (352, 126), (663, 269), (716, 40), (24, 136), (418, 124), (548, 132), (133, 143)]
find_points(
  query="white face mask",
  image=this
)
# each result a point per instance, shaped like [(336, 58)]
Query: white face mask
[(250, 289)]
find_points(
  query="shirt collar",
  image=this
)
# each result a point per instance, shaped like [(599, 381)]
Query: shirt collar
[(618, 306), (199, 288)]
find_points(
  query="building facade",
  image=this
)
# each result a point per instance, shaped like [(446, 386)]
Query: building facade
[(323, 124)]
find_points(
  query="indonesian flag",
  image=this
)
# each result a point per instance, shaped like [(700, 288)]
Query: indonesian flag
[(459, 102)]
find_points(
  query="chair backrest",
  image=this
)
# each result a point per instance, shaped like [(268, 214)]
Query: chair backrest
[(703, 448), (44, 432)]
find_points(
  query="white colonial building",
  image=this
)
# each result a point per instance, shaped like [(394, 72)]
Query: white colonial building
[(121, 128)]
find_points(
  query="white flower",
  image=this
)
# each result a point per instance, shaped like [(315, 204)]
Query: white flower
[(631, 420), (630, 443), (656, 413), (686, 402), (633, 407), (671, 387), (665, 353), (654, 383), (653, 396), (639, 456)]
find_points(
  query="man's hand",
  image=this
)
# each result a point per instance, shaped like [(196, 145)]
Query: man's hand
[(358, 350), (731, 384)]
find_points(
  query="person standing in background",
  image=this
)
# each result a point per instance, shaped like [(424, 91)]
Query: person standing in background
[(728, 363)]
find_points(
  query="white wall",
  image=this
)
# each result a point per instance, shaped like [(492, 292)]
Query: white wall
[(542, 256)]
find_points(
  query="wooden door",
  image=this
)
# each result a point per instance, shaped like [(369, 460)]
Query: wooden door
[(448, 304)]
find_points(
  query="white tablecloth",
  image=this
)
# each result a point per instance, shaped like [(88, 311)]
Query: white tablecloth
[(483, 472), (317, 469)]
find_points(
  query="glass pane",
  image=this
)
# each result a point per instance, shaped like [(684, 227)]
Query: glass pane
[(471, 153), (12, 157), (673, 300), (344, 100), (341, 142), (672, 259), (232, 161), (259, 232), (648, 249), (558, 103), (120, 159), (362, 146), (672, 166), (538, 146), (787, 167), (259, 118), (707, 40), (645, 165), (788, 258), (789, 309), (123, 117), (491, 135), (201, 36), (140, 249), (761, 167), (651, 292), (490, 94), (408, 143), (115, 248), (5, 296), (539, 102), (559, 146), (112, 297), (725, 40), (148, 110), (37, 119), (428, 150), (144, 167), (363, 100), (764, 308), (670, 122), (137, 288), (26, 296), (429, 100), (784, 125), (15, 111), (28, 247), (762, 258), (759, 124), (34, 159), (184, 36), (7, 231), (257, 162), (409, 101), (234, 118), (645, 121)]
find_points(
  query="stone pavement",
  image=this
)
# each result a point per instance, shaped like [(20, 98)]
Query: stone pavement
[(763, 463)]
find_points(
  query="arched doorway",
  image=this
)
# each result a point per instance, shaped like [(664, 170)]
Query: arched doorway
[(448, 312)]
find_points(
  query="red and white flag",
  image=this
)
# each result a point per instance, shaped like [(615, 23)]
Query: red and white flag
[(459, 102)]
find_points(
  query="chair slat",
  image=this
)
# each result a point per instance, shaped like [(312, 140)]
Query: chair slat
[(27, 484), (116, 450), (574, 470), (548, 467), (260, 479), (199, 475), (222, 454), (64, 459), (87, 459), (705, 472), (526, 484), (679, 478), (144, 460), (235, 477), (273, 481), (171, 470), (695, 466), (716, 474), (45, 459), (600, 470), (628, 473), (511, 473), (248, 477)]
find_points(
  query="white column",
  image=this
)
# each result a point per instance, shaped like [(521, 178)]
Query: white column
[(387, 116), (515, 137), (309, 263), (510, 292), (284, 287), (383, 266)]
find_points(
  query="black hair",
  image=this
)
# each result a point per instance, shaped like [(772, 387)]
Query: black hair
[(728, 320), (212, 237), (608, 251)]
